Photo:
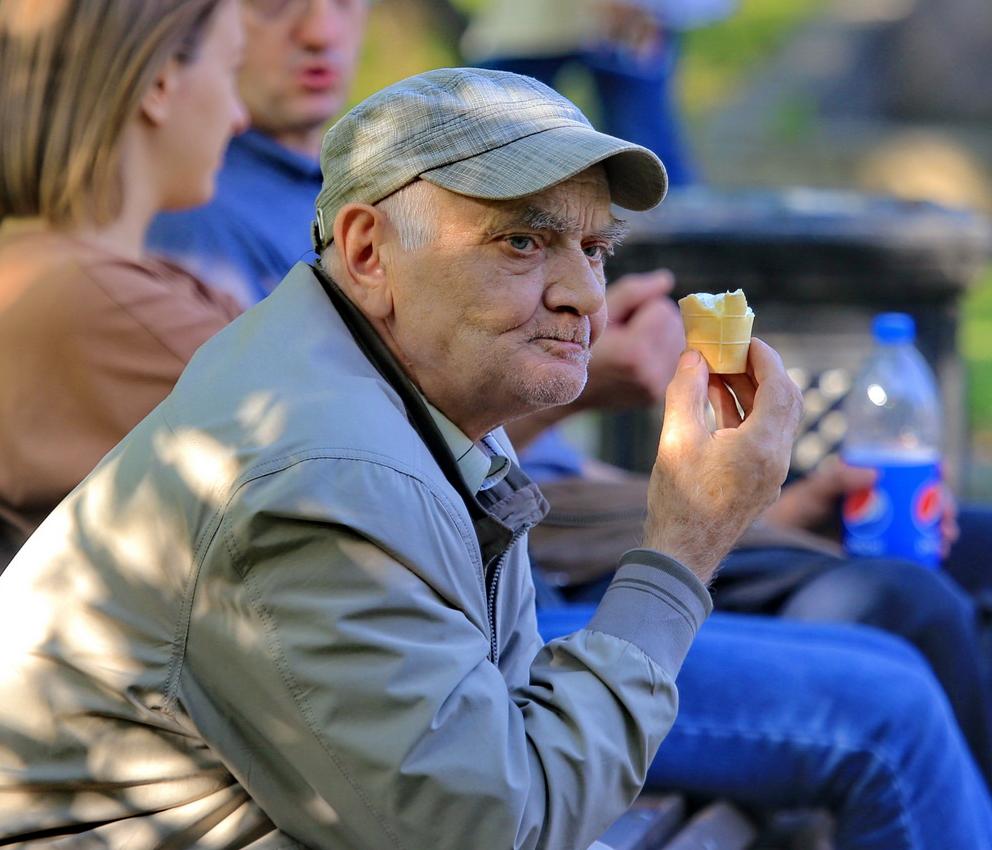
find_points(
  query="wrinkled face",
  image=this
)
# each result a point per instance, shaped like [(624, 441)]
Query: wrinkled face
[(494, 317), (299, 63), (207, 112)]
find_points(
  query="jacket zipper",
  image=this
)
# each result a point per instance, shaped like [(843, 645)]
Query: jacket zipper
[(494, 587)]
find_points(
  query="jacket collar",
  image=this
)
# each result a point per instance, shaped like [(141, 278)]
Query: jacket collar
[(498, 514)]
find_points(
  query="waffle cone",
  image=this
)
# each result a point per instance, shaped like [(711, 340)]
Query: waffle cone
[(722, 340)]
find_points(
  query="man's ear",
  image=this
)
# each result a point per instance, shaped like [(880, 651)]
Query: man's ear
[(359, 234), (156, 102)]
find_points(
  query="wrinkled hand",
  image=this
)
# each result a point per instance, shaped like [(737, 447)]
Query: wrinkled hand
[(950, 531), (811, 502), (707, 487), (631, 27), (635, 358)]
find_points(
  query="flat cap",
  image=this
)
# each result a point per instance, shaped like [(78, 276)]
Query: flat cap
[(481, 133)]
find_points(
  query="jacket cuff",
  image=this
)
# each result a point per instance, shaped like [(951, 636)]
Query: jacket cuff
[(655, 603)]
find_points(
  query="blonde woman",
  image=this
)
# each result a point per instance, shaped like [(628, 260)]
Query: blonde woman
[(110, 111)]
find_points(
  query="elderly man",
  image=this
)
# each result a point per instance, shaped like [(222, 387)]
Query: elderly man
[(298, 595), (293, 607)]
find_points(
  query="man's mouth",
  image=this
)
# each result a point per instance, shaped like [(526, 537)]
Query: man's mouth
[(564, 342), (318, 76), (579, 336)]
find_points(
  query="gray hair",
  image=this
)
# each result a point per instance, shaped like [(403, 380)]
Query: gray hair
[(411, 210)]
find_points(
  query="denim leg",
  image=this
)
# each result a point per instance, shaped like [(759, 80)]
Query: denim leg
[(927, 608), (543, 68), (970, 559), (782, 714), (641, 108), (842, 716)]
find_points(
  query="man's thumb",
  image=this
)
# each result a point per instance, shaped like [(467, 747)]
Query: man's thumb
[(686, 399)]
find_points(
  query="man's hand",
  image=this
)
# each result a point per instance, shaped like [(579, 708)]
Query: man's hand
[(811, 502), (635, 358), (950, 531), (631, 27), (707, 487)]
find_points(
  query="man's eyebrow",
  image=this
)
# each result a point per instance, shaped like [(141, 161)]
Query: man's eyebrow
[(537, 218), (615, 232), (540, 219)]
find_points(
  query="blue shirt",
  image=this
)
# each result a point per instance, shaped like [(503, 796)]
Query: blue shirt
[(256, 227), (551, 458)]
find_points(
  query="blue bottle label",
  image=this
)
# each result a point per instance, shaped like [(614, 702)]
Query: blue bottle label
[(900, 515)]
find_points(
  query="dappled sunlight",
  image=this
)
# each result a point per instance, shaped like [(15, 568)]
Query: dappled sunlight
[(205, 464), (27, 627), (319, 809), (130, 545), (263, 419)]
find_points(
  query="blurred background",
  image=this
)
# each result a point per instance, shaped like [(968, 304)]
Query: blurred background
[(890, 97)]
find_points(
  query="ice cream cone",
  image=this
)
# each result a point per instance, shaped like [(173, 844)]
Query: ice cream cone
[(719, 328)]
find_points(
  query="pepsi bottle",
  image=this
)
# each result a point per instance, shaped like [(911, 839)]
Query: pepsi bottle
[(893, 426)]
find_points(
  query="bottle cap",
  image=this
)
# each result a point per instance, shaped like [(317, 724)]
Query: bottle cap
[(893, 328)]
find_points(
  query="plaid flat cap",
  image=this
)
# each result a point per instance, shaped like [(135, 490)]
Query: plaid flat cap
[(481, 133)]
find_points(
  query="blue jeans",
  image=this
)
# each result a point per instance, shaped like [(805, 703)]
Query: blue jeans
[(931, 609), (946, 614), (781, 714)]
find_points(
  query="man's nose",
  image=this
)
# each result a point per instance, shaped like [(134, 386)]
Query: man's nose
[(240, 119), (574, 284), (322, 23)]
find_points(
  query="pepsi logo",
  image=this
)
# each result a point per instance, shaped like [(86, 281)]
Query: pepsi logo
[(927, 505), (867, 512)]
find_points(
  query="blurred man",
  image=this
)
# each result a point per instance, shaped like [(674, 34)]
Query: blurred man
[(299, 61)]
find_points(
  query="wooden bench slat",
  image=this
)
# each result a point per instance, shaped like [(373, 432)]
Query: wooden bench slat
[(719, 826)]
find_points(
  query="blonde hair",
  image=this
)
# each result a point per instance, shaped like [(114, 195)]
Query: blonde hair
[(72, 73)]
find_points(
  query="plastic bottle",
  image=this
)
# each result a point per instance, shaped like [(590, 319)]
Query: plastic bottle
[(893, 426)]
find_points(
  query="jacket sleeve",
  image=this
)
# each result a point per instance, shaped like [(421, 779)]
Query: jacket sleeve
[(351, 694)]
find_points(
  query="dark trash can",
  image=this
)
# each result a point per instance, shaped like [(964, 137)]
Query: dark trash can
[(817, 265)]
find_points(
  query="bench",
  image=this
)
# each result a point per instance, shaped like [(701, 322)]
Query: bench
[(668, 822)]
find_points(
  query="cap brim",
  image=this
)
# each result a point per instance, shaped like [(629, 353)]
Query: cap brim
[(636, 176)]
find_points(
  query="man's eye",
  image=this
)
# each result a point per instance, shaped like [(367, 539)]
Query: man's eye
[(520, 242), (596, 251)]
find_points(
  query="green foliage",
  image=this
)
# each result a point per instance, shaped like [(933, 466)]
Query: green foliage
[(715, 62), (719, 59), (976, 347)]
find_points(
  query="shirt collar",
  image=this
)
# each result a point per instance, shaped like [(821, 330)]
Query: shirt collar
[(265, 147), (483, 465)]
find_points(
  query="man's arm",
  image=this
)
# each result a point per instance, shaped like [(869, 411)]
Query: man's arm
[(350, 690)]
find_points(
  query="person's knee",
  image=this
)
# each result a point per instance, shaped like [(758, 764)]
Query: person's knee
[(823, 718), (890, 594)]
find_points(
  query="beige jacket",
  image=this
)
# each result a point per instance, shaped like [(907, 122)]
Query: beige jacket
[(268, 620)]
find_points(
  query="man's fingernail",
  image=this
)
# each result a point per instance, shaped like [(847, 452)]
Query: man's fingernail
[(689, 359)]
